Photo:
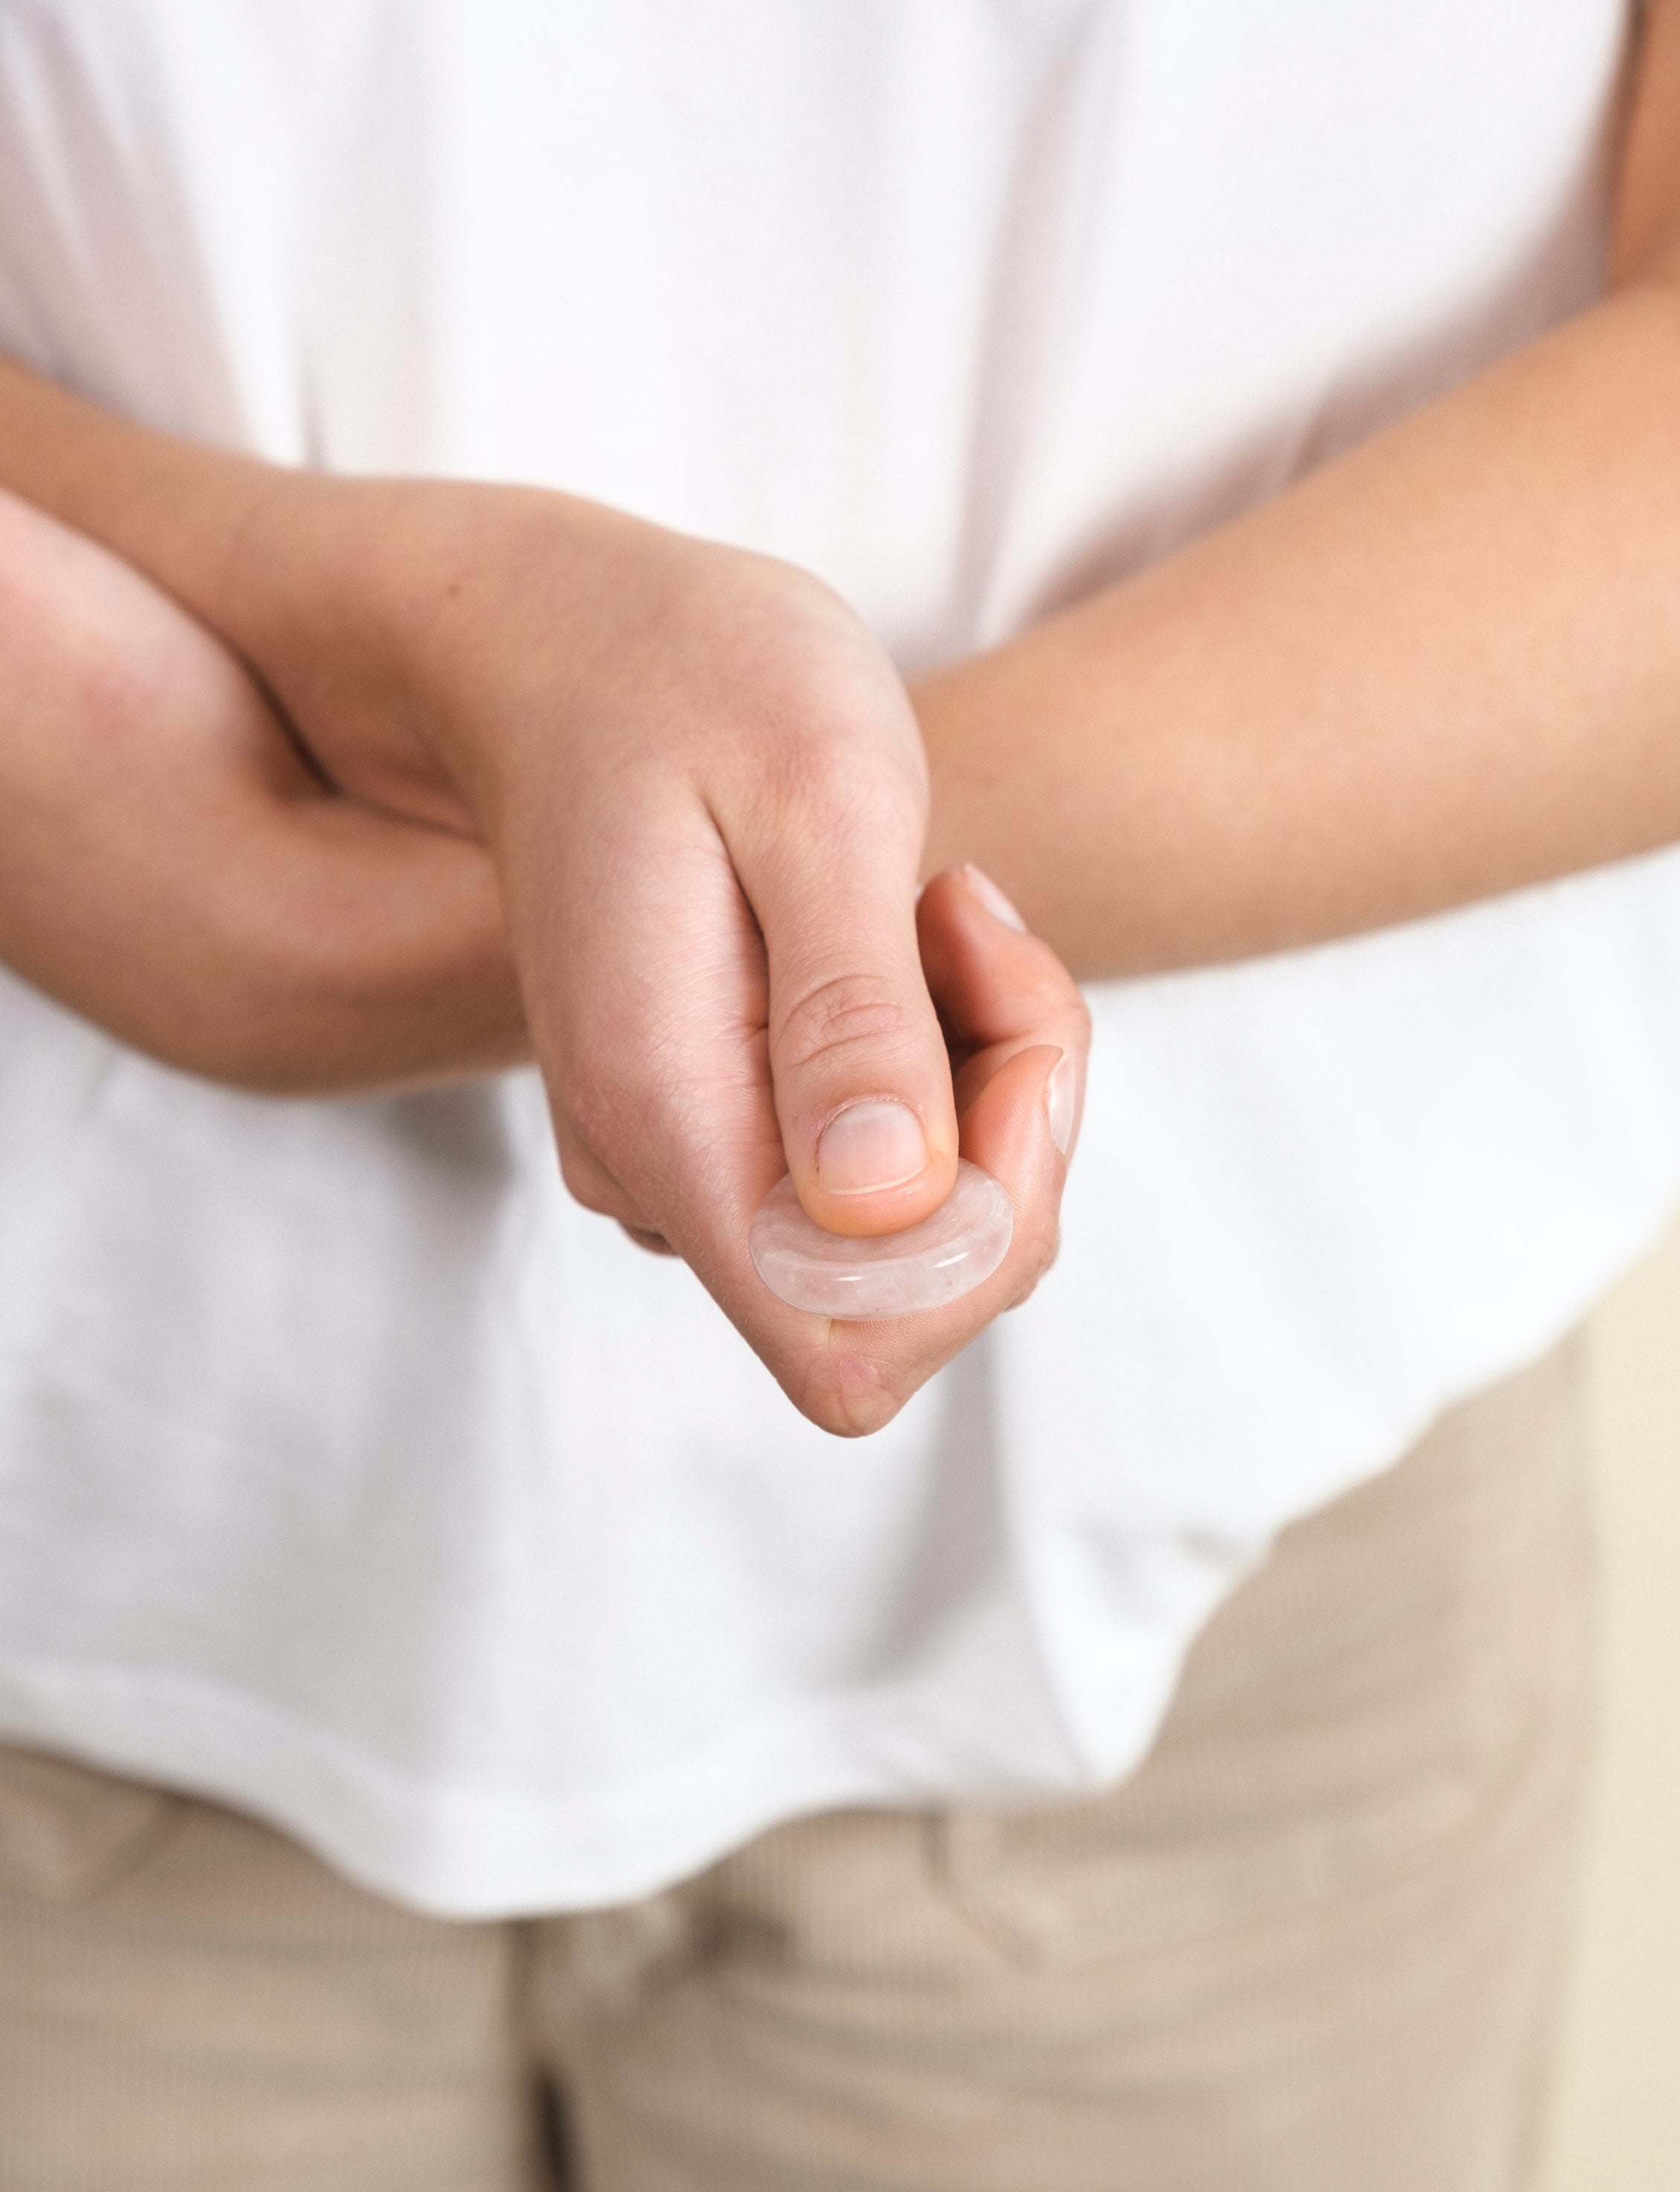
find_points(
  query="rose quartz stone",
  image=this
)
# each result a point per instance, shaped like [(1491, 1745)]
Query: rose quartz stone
[(890, 1274)]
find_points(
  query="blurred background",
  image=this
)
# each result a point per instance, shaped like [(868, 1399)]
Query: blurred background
[(1616, 2127)]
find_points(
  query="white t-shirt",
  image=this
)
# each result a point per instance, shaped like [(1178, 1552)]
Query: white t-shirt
[(348, 1471)]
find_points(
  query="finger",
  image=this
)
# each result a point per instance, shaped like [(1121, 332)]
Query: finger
[(1012, 1130), (1000, 990), (853, 1377), (993, 981), (858, 1062), (652, 1043), (655, 1243), (1018, 1020)]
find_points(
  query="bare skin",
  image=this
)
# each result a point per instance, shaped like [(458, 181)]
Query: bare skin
[(1441, 668), (703, 797), (214, 904)]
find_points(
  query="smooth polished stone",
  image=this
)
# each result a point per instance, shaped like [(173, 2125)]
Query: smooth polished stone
[(888, 1274)]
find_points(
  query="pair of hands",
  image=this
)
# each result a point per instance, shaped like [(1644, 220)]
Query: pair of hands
[(659, 803)]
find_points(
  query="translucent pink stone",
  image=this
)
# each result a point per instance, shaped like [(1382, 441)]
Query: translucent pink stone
[(890, 1274)]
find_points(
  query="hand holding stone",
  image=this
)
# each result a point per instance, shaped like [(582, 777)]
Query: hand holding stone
[(955, 1250)]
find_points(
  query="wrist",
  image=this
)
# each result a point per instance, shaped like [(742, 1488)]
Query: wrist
[(313, 579), (506, 616), (336, 591)]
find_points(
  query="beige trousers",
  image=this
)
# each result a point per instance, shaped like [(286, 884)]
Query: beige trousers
[(1314, 1945)]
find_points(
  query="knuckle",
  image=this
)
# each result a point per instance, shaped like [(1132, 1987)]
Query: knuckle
[(854, 778), (1042, 1250), (587, 1183), (826, 781), (847, 1395), (1064, 1009), (583, 1186), (841, 1013), (656, 1244)]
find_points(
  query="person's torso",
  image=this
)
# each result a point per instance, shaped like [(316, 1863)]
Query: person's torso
[(412, 1504)]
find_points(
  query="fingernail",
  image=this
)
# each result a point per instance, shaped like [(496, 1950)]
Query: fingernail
[(869, 1145), (992, 897), (1062, 1096)]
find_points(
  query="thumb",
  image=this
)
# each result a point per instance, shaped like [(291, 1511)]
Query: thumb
[(858, 1064)]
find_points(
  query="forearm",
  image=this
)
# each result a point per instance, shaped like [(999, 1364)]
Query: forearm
[(285, 567), (320, 947), (176, 510), (363, 604), (1443, 667), (170, 869), (347, 970)]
